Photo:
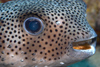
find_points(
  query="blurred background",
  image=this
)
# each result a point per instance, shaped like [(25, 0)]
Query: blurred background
[(93, 17)]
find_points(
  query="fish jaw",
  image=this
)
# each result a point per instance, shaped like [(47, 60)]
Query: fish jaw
[(77, 55), (84, 51)]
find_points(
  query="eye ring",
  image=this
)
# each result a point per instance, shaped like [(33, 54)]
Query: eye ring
[(33, 25)]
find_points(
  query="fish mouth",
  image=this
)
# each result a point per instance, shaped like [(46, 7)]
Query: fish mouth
[(85, 44)]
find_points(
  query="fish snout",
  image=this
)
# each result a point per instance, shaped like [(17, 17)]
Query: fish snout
[(84, 48)]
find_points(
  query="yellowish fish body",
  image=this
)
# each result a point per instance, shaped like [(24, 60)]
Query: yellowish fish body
[(44, 33)]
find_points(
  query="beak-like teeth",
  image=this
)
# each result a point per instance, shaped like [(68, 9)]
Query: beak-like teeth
[(84, 45)]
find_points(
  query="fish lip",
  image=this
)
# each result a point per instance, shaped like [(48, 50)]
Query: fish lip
[(87, 39), (94, 35), (88, 50)]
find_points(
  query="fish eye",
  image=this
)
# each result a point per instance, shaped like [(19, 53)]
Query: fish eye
[(33, 25)]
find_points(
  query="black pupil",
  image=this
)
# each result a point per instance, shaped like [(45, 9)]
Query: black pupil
[(33, 26)]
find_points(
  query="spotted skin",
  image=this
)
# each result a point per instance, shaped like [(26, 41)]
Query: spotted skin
[(64, 22)]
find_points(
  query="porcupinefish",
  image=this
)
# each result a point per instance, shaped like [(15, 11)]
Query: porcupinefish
[(44, 33)]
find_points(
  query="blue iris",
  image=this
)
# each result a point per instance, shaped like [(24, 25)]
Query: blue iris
[(34, 26)]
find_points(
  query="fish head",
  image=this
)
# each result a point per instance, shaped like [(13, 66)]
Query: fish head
[(44, 33)]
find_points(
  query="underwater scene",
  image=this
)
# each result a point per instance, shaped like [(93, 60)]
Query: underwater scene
[(93, 18)]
